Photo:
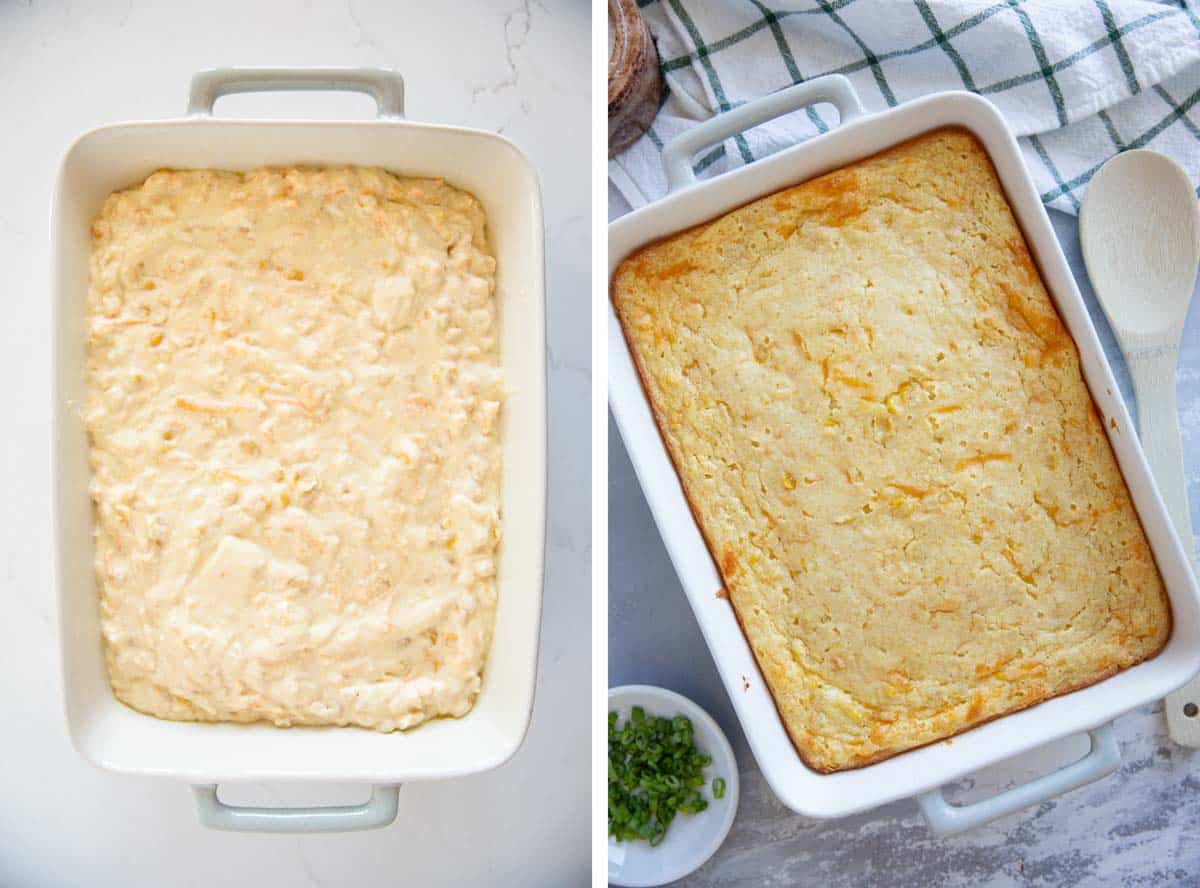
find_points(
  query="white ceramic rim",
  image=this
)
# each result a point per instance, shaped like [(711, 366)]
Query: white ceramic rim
[(73, 556), (924, 769)]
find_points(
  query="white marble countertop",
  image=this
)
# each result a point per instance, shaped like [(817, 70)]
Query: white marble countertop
[(1140, 826), (518, 67)]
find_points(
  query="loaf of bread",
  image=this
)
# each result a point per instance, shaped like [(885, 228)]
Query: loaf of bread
[(881, 425)]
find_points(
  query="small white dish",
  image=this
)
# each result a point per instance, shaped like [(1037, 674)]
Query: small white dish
[(692, 838)]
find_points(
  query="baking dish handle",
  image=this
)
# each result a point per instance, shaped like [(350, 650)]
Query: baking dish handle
[(678, 153), (384, 86), (376, 812), (1102, 759)]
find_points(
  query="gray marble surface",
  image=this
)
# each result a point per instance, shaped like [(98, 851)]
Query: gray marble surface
[(1140, 826)]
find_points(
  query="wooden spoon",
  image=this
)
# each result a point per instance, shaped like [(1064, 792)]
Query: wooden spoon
[(1140, 231)]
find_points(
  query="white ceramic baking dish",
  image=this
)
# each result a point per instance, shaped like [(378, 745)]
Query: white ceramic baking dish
[(920, 772), (494, 169)]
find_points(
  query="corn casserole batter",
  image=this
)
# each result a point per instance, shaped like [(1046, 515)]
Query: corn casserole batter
[(293, 397)]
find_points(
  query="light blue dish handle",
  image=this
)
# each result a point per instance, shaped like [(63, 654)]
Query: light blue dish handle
[(384, 86), (678, 153), (376, 812), (1102, 759)]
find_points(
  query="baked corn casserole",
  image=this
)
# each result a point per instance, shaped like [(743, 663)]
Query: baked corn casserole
[(882, 428), (293, 390)]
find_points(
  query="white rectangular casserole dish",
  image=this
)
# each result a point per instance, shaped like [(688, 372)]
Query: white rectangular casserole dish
[(922, 771), (492, 168)]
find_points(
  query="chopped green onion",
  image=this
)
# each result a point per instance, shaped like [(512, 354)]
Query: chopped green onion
[(654, 772)]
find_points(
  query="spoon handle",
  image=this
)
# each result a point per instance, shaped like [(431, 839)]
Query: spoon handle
[(1153, 377)]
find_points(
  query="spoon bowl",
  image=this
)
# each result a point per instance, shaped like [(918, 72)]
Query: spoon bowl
[(1140, 231)]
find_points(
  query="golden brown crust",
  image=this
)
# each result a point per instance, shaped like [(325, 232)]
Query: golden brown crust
[(881, 427)]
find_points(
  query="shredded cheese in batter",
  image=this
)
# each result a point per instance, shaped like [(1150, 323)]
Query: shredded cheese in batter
[(293, 398)]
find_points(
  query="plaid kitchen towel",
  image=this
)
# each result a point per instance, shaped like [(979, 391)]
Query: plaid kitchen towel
[(1077, 81)]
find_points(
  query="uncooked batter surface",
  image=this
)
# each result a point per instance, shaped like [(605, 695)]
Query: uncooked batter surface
[(293, 403)]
